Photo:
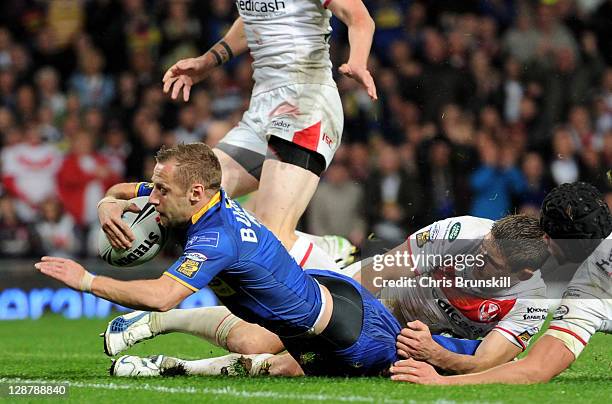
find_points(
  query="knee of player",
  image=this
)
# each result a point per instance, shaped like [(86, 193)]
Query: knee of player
[(243, 344), (286, 366)]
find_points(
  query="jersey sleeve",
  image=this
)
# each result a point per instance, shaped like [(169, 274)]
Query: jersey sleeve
[(143, 189), (452, 236), (523, 321), (207, 254), (577, 318), (586, 306)]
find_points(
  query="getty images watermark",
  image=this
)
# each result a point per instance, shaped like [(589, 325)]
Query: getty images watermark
[(400, 269)]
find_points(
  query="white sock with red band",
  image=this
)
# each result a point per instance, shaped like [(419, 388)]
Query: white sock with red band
[(310, 256)]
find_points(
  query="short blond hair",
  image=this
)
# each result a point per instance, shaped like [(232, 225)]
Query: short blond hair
[(521, 240), (195, 164)]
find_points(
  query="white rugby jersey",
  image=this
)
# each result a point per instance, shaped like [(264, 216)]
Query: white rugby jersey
[(288, 40), (517, 312), (33, 169), (586, 306)]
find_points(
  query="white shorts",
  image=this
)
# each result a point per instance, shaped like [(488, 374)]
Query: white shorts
[(309, 115)]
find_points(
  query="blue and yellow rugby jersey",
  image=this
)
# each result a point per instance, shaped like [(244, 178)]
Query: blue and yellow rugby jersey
[(143, 189), (247, 267)]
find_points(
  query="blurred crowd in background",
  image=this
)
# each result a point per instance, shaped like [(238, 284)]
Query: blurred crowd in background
[(483, 107)]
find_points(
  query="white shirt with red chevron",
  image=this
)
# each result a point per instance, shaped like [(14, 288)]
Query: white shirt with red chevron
[(586, 307), (31, 171), (516, 312)]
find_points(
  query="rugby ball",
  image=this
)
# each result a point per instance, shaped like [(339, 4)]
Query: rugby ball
[(150, 237)]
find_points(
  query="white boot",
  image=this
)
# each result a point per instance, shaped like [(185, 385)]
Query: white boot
[(124, 331)]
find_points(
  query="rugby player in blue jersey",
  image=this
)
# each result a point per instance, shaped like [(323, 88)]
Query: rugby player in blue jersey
[(321, 317)]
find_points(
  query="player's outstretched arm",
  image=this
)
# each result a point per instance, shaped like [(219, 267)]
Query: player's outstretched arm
[(360, 25), (416, 342), (548, 357), (186, 72), (160, 294)]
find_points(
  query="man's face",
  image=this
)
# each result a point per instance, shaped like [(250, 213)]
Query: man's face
[(170, 200), (494, 262)]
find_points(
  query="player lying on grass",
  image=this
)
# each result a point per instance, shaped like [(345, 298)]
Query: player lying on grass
[(505, 317), (321, 317), (578, 225)]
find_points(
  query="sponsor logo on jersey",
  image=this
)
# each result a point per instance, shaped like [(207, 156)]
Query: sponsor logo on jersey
[(488, 311), (195, 256), (435, 230), (190, 267), (221, 288), (423, 238), (280, 124), (561, 312), (605, 266), (476, 308), (526, 335), (571, 293), (466, 329), (252, 6), (326, 139), (454, 231), (205, 239), (535, 313)]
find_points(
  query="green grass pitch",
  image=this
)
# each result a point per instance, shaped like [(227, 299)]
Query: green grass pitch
[(60, 350)]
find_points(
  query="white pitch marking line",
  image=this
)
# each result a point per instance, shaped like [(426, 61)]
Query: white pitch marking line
[(57, 356)]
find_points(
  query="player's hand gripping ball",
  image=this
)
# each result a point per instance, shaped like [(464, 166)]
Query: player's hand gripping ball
[(150, 237)]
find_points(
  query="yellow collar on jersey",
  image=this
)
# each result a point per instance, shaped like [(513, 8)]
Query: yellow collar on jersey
[(213, 201)]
